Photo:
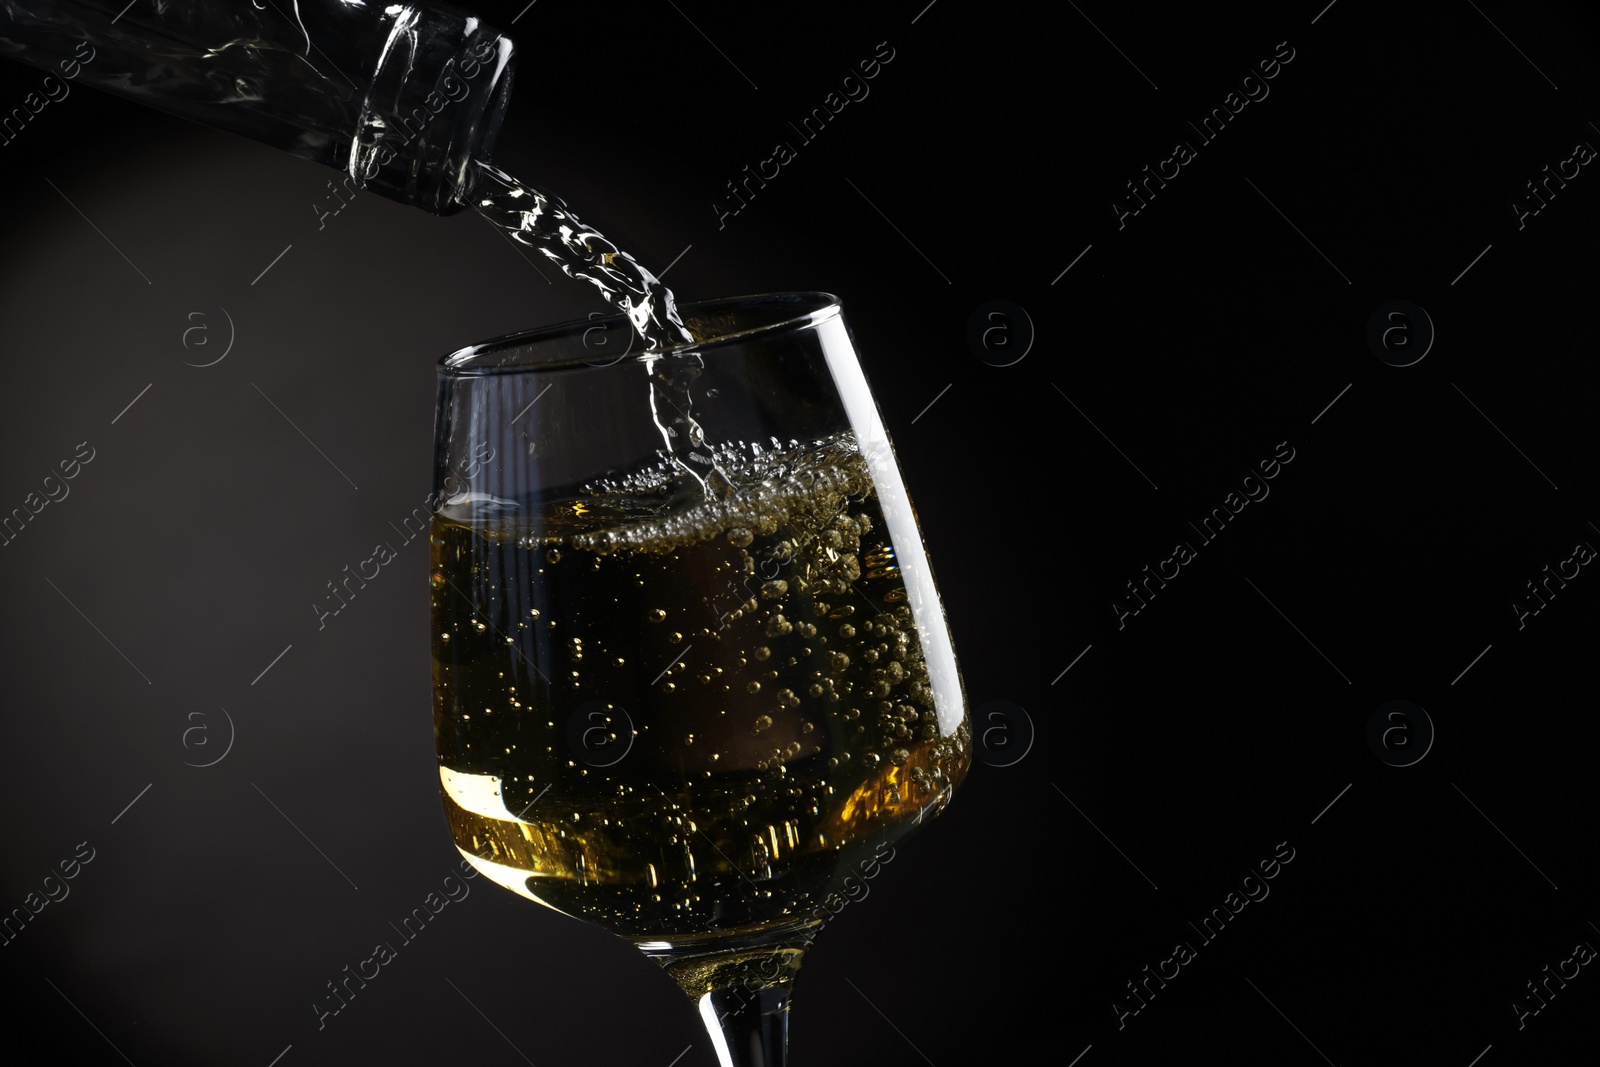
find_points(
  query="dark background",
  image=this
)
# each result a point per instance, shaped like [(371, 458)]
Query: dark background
[(1221, 720)]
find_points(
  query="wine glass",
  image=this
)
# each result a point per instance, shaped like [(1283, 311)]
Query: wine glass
[(692, 678)]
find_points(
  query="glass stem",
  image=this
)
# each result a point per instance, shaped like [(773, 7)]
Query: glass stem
[(748, 1027), (741, 986)]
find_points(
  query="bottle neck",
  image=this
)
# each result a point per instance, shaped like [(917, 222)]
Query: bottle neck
[(434, 105), (403, 97)]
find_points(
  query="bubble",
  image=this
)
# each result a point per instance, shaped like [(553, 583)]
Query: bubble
[(847, 631), (787, 699), (553, 556), (753, 687), (657, 615), (775, 588), (740, 536), (762, 722), (778, 626), (480, 627), (762, 653)]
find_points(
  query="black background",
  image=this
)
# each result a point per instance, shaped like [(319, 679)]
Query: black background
[(1221, 720)]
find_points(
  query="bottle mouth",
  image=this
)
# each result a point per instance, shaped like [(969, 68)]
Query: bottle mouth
[(436, 102), (605, 341)]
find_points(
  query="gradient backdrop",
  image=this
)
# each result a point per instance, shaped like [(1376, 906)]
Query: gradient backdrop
[(1171, 351)]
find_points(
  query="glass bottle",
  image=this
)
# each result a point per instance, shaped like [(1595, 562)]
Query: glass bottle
[(403, 97)]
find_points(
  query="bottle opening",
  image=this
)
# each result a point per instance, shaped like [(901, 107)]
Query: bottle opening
[(436, 103)]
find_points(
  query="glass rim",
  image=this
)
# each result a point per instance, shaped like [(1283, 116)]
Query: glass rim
[(813, 307)]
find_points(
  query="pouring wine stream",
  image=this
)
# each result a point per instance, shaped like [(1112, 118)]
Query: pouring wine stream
[(544, 223)]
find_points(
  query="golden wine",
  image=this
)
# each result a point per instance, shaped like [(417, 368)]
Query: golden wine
[(678, 717)]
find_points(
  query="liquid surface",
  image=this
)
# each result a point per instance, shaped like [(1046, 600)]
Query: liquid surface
[(686, 721)]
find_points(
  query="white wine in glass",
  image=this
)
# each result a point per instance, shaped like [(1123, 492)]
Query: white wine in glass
[(686, 693)]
